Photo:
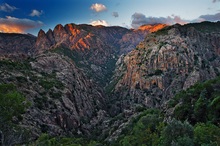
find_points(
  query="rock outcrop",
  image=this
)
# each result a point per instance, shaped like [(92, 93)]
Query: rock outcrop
[(63, 101), (166, 62), (59, 73), (94, 48)]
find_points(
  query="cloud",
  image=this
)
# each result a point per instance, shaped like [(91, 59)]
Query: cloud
[(98, 7), (7, 8), (16, 25), (99, 22), (215, 1), (213, 18), (139, 19), (36, 13), (115, 14)]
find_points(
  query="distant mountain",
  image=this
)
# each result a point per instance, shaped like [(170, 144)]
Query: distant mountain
[(16, 45)]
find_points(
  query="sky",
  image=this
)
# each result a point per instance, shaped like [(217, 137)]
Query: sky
[(29, 16)]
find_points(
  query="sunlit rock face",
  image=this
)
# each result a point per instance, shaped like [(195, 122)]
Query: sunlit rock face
[(95, 48), (152, 28), (166, 62)]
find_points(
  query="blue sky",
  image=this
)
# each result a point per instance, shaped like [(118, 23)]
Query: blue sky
[(28, 16)]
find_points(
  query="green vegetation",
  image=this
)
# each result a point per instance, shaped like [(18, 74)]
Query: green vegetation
[(177, 133), (12, 105), (80, 59), (46, 140), (72, 54), (145, 129), (163, 31), (48, 83), (200, 103), (207, 134), (205, 27), (13, 65), (66, 52), (112, 85), (157, 72), (195, 122)]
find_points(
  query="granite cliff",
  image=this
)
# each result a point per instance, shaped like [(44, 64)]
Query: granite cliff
[(166, 62), (59, 74), (94, 48)]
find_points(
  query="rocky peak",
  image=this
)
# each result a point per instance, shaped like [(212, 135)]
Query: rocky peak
[(58, 28), (50, 36), (41, 36), (49, 32), (42, 43), (60, 34), (72, 29), (41, 33)]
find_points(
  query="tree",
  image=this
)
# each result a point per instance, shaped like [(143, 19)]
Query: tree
[(206, 134), (146, 130), (176, 132), (12, 106)]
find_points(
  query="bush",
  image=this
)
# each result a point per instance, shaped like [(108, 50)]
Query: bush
[(145, 129), (12, 105), (47, 140), (176, 132), (199, 103), (206, 134)]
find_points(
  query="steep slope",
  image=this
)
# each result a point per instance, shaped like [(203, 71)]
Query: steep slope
[(56, 78), (93, 48), (63, 101), (166, 62)]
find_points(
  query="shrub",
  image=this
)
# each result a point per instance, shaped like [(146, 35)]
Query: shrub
[(12, 105), (206, 134), (175, 132)]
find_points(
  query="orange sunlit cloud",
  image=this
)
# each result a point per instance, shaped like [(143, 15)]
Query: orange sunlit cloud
[(10, 29), (16, 25)]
